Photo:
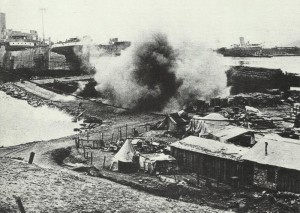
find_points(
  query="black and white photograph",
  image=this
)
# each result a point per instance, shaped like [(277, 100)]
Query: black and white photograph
[(149, 106)]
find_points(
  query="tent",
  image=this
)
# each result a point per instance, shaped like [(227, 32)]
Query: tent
[(173, 122), (203, 126), (123, 160)]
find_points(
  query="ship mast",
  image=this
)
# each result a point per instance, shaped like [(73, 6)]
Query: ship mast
[(43, 10)]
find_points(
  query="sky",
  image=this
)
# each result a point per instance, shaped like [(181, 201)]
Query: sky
[(216, 23)]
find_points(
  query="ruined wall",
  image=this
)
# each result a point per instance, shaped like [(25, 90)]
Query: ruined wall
[(261, 177)]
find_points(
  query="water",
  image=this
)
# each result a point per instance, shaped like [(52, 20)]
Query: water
[(286, 64), (21, 123)]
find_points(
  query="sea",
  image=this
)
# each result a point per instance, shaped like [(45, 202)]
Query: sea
[(21, 123)]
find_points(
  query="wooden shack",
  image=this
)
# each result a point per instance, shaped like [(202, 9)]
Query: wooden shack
[(275, 162), (210, 158), (235, 135)]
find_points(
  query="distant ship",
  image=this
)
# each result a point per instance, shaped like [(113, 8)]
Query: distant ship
[(257, 50), (72, 49)]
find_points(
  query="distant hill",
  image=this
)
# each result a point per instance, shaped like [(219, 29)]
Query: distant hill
[(293, 44)]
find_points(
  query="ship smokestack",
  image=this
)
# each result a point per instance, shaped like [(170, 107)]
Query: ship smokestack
[(242, 41), (266, 148)]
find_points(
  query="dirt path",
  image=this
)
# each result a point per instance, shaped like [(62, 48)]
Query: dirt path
[(64, 79), (43, 93)]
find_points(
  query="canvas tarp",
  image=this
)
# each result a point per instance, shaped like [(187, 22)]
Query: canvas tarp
[(148, 162), (125, 154), (202, 126)]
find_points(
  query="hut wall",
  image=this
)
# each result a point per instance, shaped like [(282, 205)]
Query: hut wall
[(265, 176), (288, 180), (209, 166)]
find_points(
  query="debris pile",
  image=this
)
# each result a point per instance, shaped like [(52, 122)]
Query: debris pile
[(255, 99)]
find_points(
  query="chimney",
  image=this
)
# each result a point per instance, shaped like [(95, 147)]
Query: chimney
[(266, 148)]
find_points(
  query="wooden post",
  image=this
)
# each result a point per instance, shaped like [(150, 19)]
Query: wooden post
[(144, 166), (87, 155), (87, 136), (120, 133), (91, 157), (31, 157), (174, 173), (83, 151), (20, 205), (77, 143), (104, 161), (112, 137), (126, 130), (219, 173)]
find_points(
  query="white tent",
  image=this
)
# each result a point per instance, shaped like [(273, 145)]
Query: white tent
[(125, 155), (202, 126)]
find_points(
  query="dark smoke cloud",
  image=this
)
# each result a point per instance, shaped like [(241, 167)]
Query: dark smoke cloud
[(154, 65), (153, 75)]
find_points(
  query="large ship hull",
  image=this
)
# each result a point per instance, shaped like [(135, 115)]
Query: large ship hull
[(77, 53), (259, 52)]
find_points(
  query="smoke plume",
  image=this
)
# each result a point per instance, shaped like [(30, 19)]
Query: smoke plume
[(154, 74)]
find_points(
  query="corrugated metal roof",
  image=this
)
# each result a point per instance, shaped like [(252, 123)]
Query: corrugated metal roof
[(230, 132), (211, 147), (282, 152)]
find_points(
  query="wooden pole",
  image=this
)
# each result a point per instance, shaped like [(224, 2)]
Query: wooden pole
[(83, 151), (31, 157), (104, 161), (20, 205), (87, 136), (120, 133), (92, 158), (219, 173), (112, 137), (174, 173), (126, 130), (76, 143)]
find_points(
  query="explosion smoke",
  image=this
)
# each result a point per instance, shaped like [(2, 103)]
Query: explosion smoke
[(152, 75)]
